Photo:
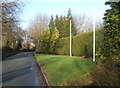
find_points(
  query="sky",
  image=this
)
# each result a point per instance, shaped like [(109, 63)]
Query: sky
[(60, 7)]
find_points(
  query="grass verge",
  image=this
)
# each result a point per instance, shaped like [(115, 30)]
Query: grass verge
[(60, 68)]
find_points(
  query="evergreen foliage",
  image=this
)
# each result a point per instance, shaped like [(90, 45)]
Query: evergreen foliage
[(85, 51), (111, 37), (49, 41), (62, 23), (82, 44)]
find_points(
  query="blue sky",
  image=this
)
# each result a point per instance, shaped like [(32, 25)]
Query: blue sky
[(60, 7)]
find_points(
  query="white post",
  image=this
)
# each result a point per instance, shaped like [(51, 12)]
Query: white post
[(70, 41), (94, 35)]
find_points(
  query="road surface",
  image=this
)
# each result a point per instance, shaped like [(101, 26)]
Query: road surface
[(20, 70)]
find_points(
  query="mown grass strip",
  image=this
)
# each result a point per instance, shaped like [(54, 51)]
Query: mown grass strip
[(60, 68)]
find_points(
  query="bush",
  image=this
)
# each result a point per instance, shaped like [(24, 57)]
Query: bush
[(107, 74), (83, 81), (6, 49)]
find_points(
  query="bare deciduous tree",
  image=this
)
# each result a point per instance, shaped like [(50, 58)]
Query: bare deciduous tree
[(37, 28), (84, 23), (10, 23)]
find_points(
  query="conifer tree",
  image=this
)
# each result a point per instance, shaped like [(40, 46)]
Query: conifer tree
[(67, 25), (111, 39)]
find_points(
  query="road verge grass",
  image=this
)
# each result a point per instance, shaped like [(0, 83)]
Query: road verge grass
[(60, 68)]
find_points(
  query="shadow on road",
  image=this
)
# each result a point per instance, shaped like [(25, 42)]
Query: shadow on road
[(18, 56), (20, 70)]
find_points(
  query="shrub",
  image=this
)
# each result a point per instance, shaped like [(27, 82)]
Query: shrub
[(83, 81), (6, 51), (107, 74)]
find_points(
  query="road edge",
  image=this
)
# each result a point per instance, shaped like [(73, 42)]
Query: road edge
[(42, 73)]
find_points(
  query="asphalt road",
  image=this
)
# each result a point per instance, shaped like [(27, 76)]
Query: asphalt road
[(20, 70)]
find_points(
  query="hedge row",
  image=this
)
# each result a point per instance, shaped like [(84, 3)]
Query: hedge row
[(62, 46), (82, 44)]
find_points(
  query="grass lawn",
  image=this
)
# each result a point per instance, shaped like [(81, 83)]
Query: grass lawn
[(59, 68)]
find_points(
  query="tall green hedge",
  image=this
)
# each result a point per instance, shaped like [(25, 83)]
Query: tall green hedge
[(62, 46), (82, 44)]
